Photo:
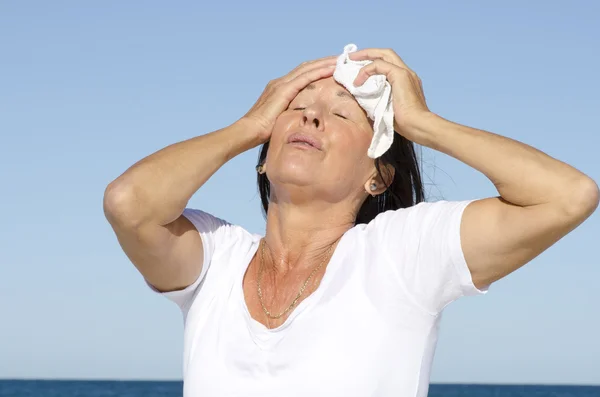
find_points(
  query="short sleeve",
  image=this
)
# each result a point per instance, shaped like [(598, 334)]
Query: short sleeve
[(423, 245), (213, 231)]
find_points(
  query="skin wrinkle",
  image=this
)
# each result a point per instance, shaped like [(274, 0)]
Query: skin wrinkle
[(354, 109), (315, 195)]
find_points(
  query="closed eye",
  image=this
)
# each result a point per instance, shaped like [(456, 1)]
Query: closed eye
[(337, 114)]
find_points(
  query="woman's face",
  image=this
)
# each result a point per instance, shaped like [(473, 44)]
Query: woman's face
[(320, 145)]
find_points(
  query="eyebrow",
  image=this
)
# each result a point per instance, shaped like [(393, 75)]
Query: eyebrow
[(340, 93)]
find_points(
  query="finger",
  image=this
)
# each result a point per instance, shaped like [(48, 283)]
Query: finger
[(387, 55), (298, 83), (378, 66), (283, 94), (308, 66)]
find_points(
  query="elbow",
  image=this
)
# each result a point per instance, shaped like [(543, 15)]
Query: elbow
[(593, 195), (583, 199), (122, 204)]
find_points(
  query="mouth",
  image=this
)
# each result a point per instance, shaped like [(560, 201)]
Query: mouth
[(303, 140)]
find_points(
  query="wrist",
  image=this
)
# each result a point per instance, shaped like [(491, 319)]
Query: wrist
[(255, 129), (241, 137), (423, 128), (250, 131)]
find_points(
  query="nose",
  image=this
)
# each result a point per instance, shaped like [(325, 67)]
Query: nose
[(312, 116)]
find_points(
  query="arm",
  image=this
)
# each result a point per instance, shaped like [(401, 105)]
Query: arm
[(144, 205), (541, 199)]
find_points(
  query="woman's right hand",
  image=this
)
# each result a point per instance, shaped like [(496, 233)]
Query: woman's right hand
[(278, 94)]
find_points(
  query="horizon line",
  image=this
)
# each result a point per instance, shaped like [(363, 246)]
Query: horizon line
[(179, 380)]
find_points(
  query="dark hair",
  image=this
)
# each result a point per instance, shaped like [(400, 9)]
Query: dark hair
[(405, 190)]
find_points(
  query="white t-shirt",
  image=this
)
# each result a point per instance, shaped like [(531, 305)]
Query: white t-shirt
[(370, 329)]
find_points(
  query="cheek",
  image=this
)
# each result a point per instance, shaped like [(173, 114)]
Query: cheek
[(281, 127), (354, 144), (349, 159)]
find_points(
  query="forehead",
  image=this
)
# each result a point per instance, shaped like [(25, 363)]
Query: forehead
[(328, 85)]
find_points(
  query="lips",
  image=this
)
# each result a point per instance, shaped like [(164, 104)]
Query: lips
[(306, 139)]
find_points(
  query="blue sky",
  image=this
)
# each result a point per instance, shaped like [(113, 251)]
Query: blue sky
[(88, 88)]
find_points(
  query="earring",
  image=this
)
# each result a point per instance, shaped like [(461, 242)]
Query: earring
[(373, 186), (260, 169)]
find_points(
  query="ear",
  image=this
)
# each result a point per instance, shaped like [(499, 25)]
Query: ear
[(378, 182), (261, 168)]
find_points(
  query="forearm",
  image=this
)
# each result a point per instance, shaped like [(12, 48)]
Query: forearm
[(523, 175), (157, 188)]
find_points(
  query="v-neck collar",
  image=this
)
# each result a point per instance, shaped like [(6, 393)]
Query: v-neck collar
[(259, 332)]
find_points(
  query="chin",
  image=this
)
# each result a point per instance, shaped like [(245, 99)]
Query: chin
[(300, 173)]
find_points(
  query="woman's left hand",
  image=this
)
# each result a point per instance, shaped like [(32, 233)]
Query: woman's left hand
[(407, 90)]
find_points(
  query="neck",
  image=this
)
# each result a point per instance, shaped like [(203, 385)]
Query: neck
[(297, 236)]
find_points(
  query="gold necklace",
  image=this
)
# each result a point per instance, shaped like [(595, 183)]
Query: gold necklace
[(295, 301)]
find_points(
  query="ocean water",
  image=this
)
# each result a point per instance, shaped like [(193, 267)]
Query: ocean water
[(51, 388)]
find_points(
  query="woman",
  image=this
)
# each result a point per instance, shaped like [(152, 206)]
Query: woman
[(343, 294)]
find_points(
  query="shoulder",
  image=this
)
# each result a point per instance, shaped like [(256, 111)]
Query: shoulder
[(419, 216), (217, 233), (203, 220), (421, 248)]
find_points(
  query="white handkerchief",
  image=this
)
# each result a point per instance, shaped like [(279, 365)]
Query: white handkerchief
[(374, 96)]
